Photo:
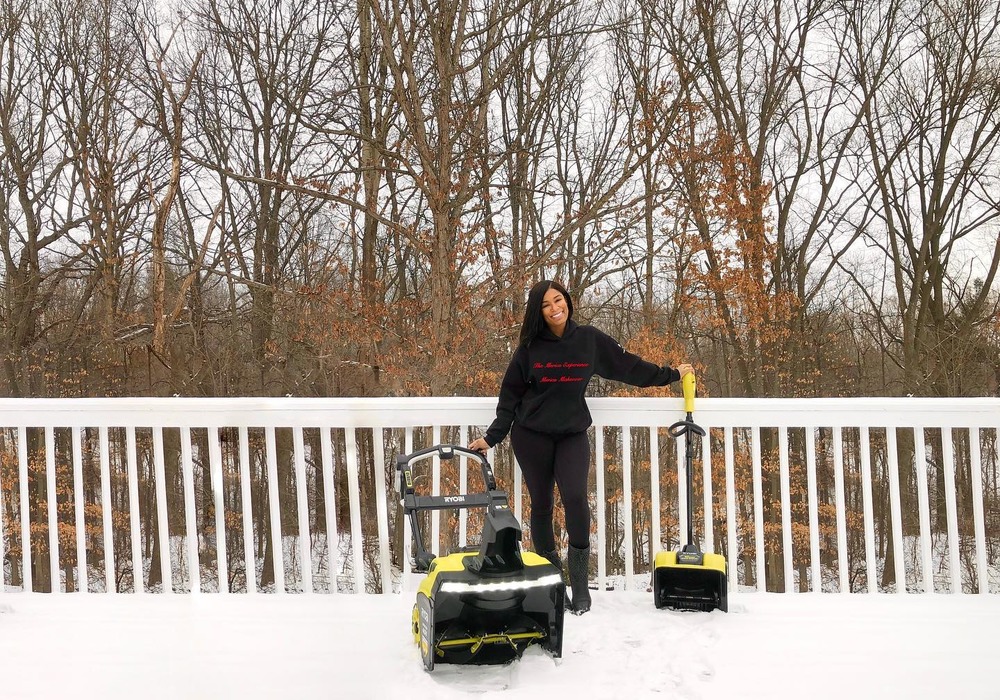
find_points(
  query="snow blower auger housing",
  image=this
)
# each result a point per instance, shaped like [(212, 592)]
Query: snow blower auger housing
[(482, 605), (689, 579)]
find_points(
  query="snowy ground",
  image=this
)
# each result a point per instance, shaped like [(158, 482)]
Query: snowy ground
[(344, 646)]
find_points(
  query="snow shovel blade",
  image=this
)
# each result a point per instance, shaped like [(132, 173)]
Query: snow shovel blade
[(690, 581)]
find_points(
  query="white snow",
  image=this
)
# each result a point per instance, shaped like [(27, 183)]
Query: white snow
[(345, 646)]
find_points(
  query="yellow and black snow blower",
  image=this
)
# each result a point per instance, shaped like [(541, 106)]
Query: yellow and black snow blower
[(689, 579), (485, 604)]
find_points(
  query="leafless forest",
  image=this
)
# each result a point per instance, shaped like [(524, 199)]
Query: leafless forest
[(325, 198), (319, 198)]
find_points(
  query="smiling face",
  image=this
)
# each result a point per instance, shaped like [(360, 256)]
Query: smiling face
[(555, 311)]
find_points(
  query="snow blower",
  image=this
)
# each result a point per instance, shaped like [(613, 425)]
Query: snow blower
[(485, 604), (689, 579)]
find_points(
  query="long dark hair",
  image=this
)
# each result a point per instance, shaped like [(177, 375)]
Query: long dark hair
[(534, 323)]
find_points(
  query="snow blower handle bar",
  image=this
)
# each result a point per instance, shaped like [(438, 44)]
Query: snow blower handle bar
[(490, 497)]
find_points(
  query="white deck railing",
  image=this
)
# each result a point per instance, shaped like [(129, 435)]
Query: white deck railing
[(826, 494)]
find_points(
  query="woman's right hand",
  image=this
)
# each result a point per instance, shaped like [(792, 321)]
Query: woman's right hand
[(479, 445)]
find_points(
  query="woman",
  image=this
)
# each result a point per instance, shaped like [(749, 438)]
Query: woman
[(542, 405)]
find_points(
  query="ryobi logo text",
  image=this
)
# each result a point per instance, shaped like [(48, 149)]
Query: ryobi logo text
[(454, 499)]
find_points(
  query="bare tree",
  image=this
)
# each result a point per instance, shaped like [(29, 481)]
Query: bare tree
[(263, 90), (790, 116), (932, 130), (167, 95), (442, 78), (38, 213), (523, 125)]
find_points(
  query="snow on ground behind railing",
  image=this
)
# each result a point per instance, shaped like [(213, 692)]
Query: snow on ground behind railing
[(823, 492)]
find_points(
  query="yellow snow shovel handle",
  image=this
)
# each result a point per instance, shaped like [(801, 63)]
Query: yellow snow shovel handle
[(688, 384)]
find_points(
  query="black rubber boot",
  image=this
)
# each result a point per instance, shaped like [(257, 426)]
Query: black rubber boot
[(579, 574), (553, 557)]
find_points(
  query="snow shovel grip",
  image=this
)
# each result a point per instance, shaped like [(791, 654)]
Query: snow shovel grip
[(688, 384), (688, 425)]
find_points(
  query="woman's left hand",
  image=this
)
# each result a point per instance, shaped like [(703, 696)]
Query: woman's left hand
[(685, 368), (479, 445)]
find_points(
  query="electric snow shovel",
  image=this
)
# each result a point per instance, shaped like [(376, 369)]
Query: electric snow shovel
[(689, 579)]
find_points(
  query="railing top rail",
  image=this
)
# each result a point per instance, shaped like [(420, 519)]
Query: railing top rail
[(402, 412)]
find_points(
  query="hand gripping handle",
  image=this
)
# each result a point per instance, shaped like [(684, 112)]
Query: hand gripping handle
[(688, 383)]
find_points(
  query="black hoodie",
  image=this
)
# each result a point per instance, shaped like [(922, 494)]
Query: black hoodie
[(545, 384)]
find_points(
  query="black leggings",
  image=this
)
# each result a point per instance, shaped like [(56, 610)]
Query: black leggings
[(547, 460)]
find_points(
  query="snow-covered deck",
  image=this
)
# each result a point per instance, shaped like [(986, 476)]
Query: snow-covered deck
[(247, 647)]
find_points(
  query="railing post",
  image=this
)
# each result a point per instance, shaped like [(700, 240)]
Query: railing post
[(53, 509), (732, 526), (602, 565), (357, 539), (758, 508), (135, 535), (463, 487), (407, 532), (869, 513), (246, 501), (656, 537), (381, 514), (330, 507), (190, 512), (435, 539), (218, 496), (838, 478), (302, 502), (627, 503), (708, 537), (22, 469), (786, 510), (979, 526), (895, 514), (108, 540), (923, 509), (162, 517), (951, 503), (80, 524), (815, 568)]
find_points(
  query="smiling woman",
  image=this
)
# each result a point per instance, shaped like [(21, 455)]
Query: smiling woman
[(542, 405)]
